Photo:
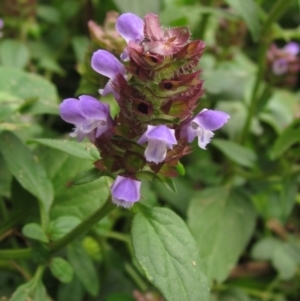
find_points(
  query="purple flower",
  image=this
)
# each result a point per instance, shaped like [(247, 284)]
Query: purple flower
[(292, 48), (108, 65), (1, 23), (203, 124), (280, 66), (125, 191), (131, 28), (159, 138), (90, 116)]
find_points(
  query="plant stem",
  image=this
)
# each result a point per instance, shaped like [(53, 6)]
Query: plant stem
[(83, 227), (61, 243), (15, 254), (204, 22), (277, 10), (136, 277)]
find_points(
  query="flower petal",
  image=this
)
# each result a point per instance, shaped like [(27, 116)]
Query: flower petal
[(107, 64), (211, 120), (156, 151), (130, 27), (280, 66), (159, 132), (70, 111), (93, 108), (125, 191), (292, 48), (204, 138)]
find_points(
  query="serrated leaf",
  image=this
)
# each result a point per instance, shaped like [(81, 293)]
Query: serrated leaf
[(287, 139), (247, 9), (13, 54), (167, 254), (80, 150), (88, 176), (83, 268), (61, 269), (35, 231), (29, 173), (237, 153), (222, 223), (61, 226), (140, 8)]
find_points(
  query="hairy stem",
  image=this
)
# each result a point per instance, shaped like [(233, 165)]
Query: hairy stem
[(83, 227)]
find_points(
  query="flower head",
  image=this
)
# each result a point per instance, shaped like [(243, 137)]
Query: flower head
[(159, 138), (108, 65), (203, 125), (125, 191), (90, 116)]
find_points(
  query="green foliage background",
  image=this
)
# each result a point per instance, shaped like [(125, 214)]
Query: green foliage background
[(232, 226)]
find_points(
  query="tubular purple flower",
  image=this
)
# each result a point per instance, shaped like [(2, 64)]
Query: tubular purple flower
[(131, 28), (203, 124), (90, 116), (108, 65), (125, 191), (280, 66), (159, 138), (292, 48), (1, 23)]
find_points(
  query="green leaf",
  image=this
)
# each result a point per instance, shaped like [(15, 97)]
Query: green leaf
[(222, 223), (20, 85), (88, 176), (32, 290), (83, 268), (247, 9), (288, 138), (284, 263), (13, 54), (35, 231), (61, 226), (71, 291), (167, 254), (237, 153), (140, 8), (264, 249), (29, 173), (80, 150), (61, 269), (79, 201), (80, 45)]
